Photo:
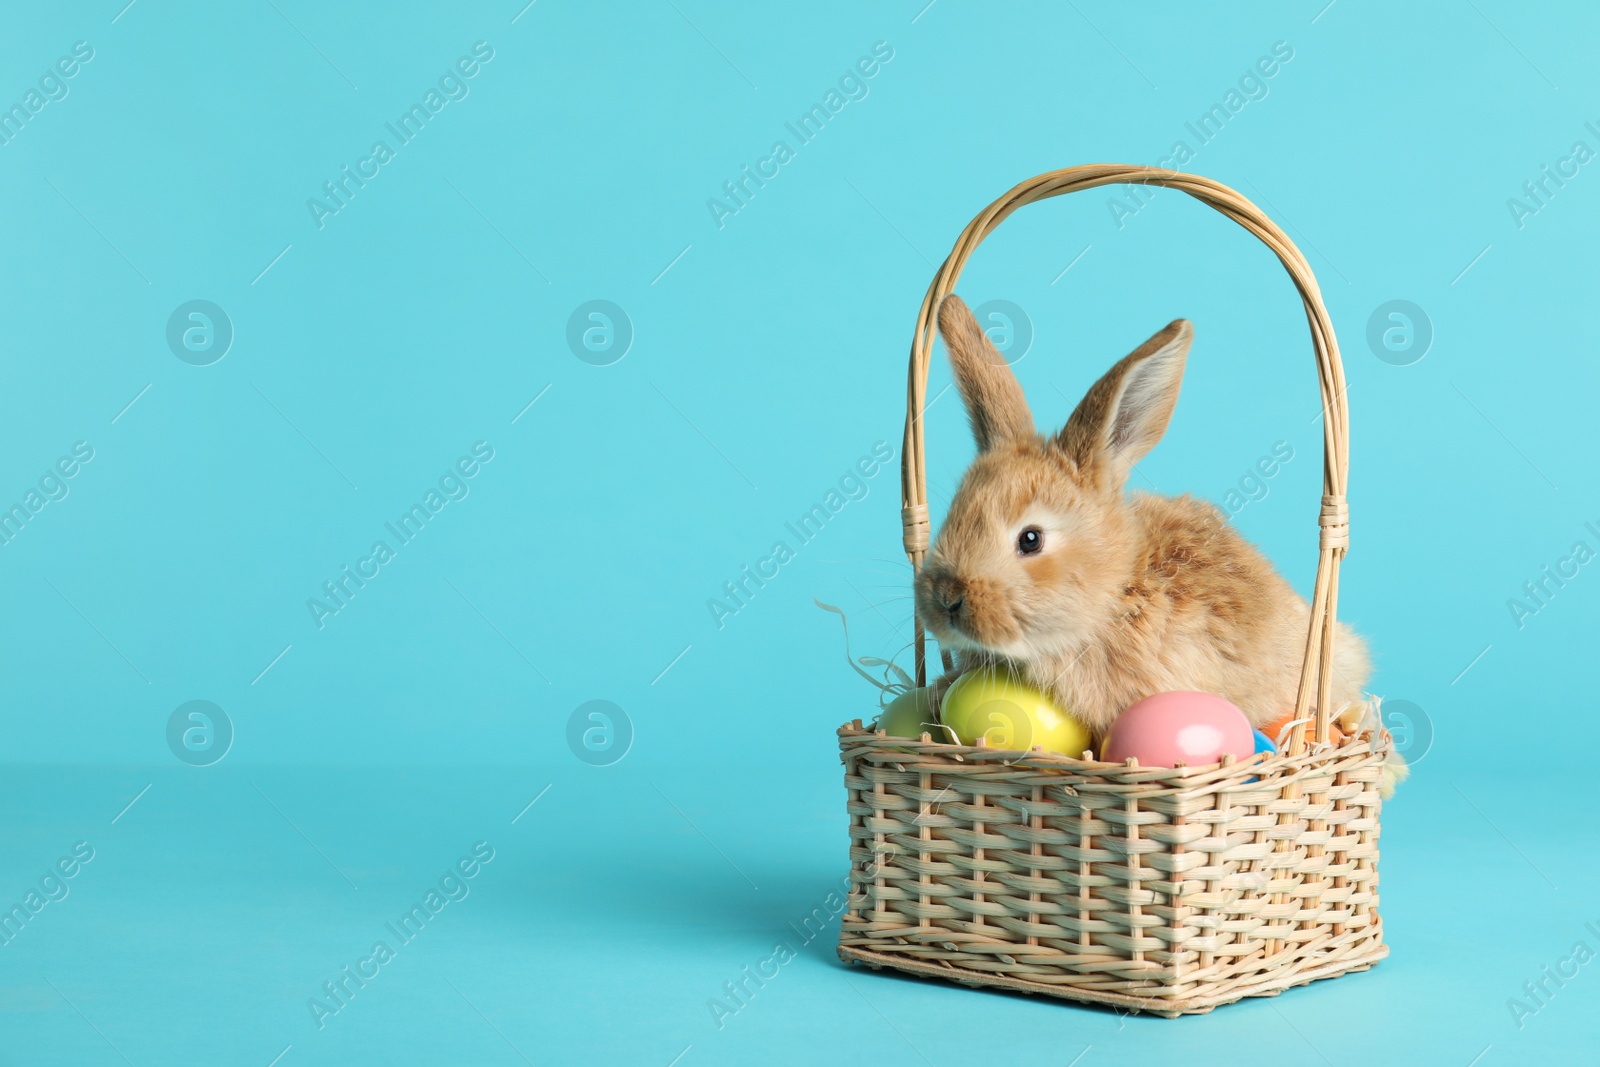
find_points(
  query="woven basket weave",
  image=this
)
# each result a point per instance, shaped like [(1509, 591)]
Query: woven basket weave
[(1149, 889)]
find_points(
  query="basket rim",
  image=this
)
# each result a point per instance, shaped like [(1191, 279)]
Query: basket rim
[(1290, 765)]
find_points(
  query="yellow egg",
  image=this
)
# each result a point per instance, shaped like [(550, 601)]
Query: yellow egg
[(1010, 714)]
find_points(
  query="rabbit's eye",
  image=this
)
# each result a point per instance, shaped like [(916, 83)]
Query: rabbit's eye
[(1030, 541)]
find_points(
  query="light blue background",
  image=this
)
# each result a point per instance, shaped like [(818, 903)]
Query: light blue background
[(768, 357)]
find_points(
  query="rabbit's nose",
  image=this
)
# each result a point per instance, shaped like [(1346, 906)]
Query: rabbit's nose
[(950, 595)]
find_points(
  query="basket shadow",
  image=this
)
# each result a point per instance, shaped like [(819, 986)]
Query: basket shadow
[(711, 902)]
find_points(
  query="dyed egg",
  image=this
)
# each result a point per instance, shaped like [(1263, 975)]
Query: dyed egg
[(1196, 729), (911, 715), (1008, 713), (1264, 743)]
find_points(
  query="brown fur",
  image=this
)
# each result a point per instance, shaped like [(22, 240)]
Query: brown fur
[(1129, 596), (995, 404)]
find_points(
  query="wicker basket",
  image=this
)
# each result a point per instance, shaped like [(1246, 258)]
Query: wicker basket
[(1148, 889)]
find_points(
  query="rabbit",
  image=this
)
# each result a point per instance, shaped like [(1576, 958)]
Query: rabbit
[(1045, 566)]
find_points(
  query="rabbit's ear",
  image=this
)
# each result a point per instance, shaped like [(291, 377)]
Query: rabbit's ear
[(1124, 414), (993, 396)]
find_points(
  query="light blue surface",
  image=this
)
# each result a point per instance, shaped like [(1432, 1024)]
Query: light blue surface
[(610, 499)]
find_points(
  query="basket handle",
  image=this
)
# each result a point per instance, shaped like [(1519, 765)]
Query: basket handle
[(1317, 666)]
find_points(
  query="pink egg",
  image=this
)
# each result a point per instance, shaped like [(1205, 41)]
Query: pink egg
[(1171, 728)]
